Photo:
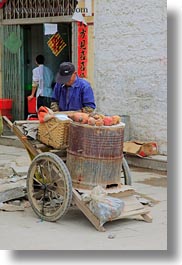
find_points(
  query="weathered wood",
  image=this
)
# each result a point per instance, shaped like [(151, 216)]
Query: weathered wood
[(25, 141), (41, 146), (26, 122), (94, 155), (131, 203), (121, 191), (126, 193), (39, 20), (147, 217), (132, 208), (132, 213), (86, 211), (8, 122), (12, 194)]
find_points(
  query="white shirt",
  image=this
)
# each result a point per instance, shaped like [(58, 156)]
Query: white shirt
[(43, 77)]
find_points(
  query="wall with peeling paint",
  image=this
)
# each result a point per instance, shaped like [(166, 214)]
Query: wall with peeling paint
[(131, 65)]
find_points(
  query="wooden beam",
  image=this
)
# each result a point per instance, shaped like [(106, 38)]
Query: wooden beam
[(8, 122), (40, 20), (25, 141)]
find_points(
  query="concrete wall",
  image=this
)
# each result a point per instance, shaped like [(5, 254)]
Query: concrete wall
[(131, 65)]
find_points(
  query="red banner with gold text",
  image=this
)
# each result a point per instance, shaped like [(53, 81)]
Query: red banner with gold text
[(82, 49)]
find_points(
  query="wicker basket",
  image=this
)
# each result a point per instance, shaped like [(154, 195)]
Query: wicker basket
[(54, 133)]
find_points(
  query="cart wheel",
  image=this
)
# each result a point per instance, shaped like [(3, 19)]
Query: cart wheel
[(49, 186), (125, 173)]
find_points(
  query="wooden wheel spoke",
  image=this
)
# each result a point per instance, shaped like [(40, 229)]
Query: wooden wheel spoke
[(38, 194), (46, 168), (56, 178), (56, 194), (34, 178)]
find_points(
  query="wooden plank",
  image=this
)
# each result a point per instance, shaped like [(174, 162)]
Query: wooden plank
[(141, 212), (119, 191), (39, 20), (131, 204), (8, 122), (26, 122), (86, 211), (41, 146), (122, 194), (132, 208), (147, 217)]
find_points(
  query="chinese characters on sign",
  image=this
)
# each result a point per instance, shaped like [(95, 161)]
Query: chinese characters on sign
[(56, 44), (82, 49)]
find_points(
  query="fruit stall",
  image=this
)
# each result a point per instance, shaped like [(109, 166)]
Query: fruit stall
[(77, 159)]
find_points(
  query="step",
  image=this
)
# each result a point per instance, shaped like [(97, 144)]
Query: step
[(157, 162)]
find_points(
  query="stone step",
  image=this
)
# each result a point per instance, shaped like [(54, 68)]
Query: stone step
[(157, 162)]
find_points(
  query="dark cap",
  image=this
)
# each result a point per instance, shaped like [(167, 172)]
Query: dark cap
[(66, 70)]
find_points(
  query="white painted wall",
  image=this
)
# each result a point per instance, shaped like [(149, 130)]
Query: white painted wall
[(131, 65)]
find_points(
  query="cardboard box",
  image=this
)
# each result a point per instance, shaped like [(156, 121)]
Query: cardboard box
[(141, 149)]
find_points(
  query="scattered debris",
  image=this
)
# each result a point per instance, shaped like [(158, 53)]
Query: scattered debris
[(145, 200), (16, 202), (11, 193), (17, 178), (14, 173), (111, 236), (10, 207), (26, 204), (12, 188)]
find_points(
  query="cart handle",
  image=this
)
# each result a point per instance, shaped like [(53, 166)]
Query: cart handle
[(8, 122)]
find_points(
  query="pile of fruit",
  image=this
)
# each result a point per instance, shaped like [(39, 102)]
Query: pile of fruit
[(95, 119)]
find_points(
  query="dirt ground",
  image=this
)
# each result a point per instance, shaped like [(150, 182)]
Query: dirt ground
[(23, 230)]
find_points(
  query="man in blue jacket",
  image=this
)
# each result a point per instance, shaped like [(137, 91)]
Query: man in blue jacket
[(72, 92)]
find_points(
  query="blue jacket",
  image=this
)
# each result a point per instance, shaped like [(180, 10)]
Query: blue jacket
[(80, 95)]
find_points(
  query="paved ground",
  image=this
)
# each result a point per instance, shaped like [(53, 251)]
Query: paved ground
[(24, 230)]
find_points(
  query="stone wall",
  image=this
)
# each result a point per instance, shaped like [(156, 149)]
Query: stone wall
[(131, 65)]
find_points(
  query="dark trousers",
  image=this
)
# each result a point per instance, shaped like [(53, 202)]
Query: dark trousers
[(43, 101)]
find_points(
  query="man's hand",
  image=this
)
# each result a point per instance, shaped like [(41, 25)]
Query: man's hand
[(87, 109), (54, 106)]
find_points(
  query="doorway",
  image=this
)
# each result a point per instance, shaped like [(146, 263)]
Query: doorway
[(35, 42)]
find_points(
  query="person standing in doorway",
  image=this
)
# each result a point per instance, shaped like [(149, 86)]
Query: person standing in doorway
[(42, 79)]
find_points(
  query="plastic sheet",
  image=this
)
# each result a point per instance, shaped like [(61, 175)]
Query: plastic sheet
[(104, 207)]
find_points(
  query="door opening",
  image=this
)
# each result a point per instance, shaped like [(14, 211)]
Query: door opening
[(35, 42)]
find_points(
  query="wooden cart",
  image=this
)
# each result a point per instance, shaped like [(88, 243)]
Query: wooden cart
[(50, 189)]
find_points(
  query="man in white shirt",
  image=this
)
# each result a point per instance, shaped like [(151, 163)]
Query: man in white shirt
[(42, 80)]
